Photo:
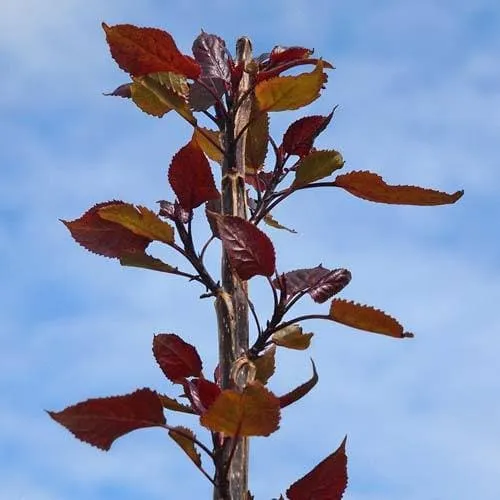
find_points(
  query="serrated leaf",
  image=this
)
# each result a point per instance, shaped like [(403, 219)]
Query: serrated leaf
[(104, 237), (372, 187), (257, 139), (284, 93), (280, 55), (200, 135), (253, 412), (366, 318), (300, 391), (201, 98), (176, 358), (320, 283), (317, 165), (292, 338), (201, 393), (140, 51), (265, 365), (212, 55), (300, 135), (191, 178), (101, 421), (147, 261), (140, 220), (249, 250), (147, 101), (270, 221), (277, 70), (172, 404), (184, 438), (327, 481)]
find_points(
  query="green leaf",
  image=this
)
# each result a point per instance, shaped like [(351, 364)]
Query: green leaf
[(146, 261), (270, 221), (292, 338), (316, 166)]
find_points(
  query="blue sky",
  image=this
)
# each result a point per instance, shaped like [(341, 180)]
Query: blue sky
[(418, 84)]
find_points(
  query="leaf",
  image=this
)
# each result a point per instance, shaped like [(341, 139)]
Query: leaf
[(366, 318), (265, 365), (191, 178), (259, 181), (147, 101), (280, 55), (200, 136), (140, 51), (284, 93), (372, 187), (257, 138), (300, 135), (253, 412), (202, 393), (140, 220), (200, 98), (176, 358), (121, 91), (184, 438), (320, 283), (292, 338), (327, 481), (270, 221), (273, 72), (145, 261), (316, 166), (212, 55), (104, 237), (101, 421), (173, 211), (174, 405), (300, 391), (249, 250)]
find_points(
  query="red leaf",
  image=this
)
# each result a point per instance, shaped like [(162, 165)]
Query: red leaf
[(101, 421), (202, 393), (320, 283), (249, 250), (271, 73), (211, 53), (260, 181), (327, 481), (140, 51), (191, 178), (280, 55), (372, 187), (300, 135), (176, 358), (104, 237), (300, 391)]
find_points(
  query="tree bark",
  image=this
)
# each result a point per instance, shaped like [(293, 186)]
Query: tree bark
[(232, 300)]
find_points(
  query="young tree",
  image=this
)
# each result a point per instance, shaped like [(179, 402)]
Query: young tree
[(237, 94)]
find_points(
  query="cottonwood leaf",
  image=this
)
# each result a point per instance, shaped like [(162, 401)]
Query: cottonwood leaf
[(292, 337), (257, 138), (184, 438), (372, 187), (284, 93), (140, 51), (104, 237), (101, 421), (366, 318), (253, 412), (265, 365), (176, 358), (317, 165), (172, 404), (146, 261), (300, 135), (271, 221), (327, 481), (200, 135), (249, 250), (320, 283), (300, 391), (191, 178), (201, 393), (140, 220)]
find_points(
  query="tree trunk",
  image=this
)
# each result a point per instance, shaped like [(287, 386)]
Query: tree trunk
[(232, 301)]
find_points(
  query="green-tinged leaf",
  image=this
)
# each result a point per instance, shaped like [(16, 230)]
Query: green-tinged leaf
[(317, 165), (270, 221), (207, 139), (147, 261), (284, 93), (292, 337), (257, 139), (172, 404), (253, 412), (300, 391), (148, 101), (265, 365), (184, 438), (140, 220)]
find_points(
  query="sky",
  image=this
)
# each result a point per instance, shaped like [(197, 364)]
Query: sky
[(418, 89)]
